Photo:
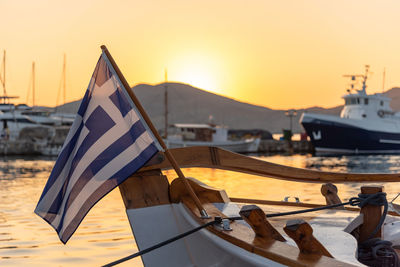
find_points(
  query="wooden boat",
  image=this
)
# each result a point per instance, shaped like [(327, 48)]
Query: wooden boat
[(187, 223), (201, 226), (158, 210)]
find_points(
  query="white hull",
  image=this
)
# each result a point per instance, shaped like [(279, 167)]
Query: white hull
[(242, 146), (200, 249)]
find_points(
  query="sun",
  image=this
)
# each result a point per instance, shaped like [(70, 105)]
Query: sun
[(199, 71), (198, 77)]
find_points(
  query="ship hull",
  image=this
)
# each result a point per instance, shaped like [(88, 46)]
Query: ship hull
[(242, 146), (335, 136)]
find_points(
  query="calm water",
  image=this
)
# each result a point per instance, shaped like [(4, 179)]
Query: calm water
[(105, 235)]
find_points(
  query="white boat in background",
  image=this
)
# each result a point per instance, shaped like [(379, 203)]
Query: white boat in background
[(186, 135), (19, 134), (24, 130), (40, 115), (45, 116), (366, 124), (11, 125), (195, 134)]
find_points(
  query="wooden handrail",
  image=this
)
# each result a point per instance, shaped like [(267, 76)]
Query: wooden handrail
[(212, 157)]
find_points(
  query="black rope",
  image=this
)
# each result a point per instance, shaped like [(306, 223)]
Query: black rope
[(299, 211), (377, 199), (377, 252)]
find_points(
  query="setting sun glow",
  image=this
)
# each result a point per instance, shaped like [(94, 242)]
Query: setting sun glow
[(270, 53), (197, 70)]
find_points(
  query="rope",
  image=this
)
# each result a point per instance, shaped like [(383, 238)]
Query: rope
[(377, 199), (297, 211), (377, 252)]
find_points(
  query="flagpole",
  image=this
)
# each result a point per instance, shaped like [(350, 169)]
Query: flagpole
[(167, 153)]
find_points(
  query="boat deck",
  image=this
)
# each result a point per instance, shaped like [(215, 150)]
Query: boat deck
[(328, 227)]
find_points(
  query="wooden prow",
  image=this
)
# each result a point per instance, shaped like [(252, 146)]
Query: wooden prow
[(145, 189), (213, 157)]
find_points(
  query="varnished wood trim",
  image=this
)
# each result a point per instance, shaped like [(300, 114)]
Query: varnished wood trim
[(246, 238), (329, 191), (214, 156), (372, 214), (301, 232), (256, 218), (211, 195), (201, 157), (145, 189)]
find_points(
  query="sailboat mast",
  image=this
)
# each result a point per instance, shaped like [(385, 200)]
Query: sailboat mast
[(383, 80), (166, 105), (3, 80), (33, 83), (64, 77)]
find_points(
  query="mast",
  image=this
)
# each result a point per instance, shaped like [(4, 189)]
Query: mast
[(62, 85), (4, 98), (383, 80), (4, 73), (64, 77), (364, 86), (364, 80), (33, 84), (166, 105)]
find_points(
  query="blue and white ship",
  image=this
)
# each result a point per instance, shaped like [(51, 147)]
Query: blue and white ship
[(366, 124)]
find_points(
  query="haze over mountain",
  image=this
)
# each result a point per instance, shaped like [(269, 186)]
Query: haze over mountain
[(187, 104)]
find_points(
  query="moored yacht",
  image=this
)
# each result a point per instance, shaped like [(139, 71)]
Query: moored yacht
[(12, 123), (366, 124)]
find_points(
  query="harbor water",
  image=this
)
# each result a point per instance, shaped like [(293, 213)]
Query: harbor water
[(105, 235)]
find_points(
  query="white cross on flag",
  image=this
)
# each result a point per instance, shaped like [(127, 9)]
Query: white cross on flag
[(107, 142)]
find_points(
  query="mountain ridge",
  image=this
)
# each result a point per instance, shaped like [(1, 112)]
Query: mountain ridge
[(187, 104)]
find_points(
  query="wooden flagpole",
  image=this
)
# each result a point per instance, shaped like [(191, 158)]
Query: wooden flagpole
[(168, 154)]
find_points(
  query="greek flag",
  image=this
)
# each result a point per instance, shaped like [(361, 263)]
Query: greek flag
[(107, 142)]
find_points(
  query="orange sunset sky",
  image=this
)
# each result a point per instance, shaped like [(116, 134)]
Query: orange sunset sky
[(278, 54)]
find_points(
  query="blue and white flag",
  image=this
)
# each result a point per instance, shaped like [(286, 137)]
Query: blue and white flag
[(107, 142)]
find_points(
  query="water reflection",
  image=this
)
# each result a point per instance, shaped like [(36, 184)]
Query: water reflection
[(356, 163), (105, 235)]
